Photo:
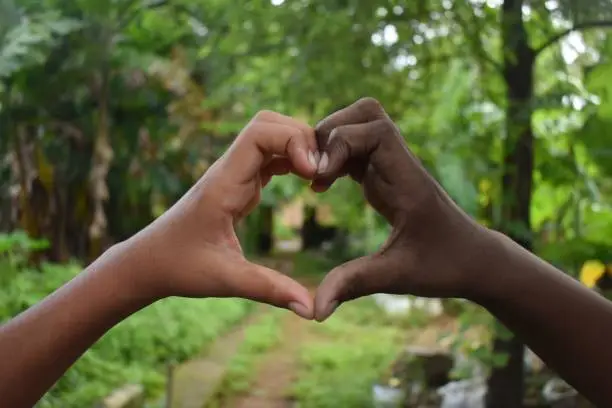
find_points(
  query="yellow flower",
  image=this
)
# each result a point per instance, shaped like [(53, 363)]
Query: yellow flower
[(394, 382), (591, 272)]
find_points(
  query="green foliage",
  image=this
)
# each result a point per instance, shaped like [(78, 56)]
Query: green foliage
[(599, 82), (451, 172), (29, 42), (178, 79), (258, 339), (136, 350), (281, 189), (14, 251), (308, 263), (340, 368)]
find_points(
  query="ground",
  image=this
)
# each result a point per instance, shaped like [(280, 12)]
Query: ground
[(277, 360)]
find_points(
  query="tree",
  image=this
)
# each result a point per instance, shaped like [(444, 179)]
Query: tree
[(339, 51), (112, 109)]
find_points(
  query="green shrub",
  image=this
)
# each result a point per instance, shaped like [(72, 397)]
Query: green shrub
[(136, 350), (338, 367), (259, 338)]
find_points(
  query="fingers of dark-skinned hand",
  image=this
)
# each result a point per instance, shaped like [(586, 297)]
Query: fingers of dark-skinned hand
[(347, 151), (348, 142), (363, 111), (349, 281)]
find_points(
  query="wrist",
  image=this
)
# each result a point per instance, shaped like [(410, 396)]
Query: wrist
[(123, 270), (481, 263), (493, 270)]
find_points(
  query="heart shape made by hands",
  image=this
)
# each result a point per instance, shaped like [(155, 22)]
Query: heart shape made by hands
[(427, 251)]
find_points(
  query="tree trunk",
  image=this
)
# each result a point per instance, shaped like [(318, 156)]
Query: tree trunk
[(25, 170), (506, 384), (265, 230), (101, 161), (313, 234)]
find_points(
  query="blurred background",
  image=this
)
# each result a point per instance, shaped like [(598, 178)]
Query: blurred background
[(111, 109)]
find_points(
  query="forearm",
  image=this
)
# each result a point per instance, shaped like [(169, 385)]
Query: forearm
[(566, 324), (39, 345)]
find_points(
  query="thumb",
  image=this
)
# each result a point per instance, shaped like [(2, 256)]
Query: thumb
[(351, 280), (265, 285)]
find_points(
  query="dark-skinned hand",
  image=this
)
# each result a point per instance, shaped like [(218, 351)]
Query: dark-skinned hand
[(428, 251), (435, 249)]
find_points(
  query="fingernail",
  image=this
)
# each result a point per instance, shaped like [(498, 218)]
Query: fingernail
[(323, 163), (317, 157), (300, 310), (312, 159)]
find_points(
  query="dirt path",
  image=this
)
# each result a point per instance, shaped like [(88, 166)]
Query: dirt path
[(278, 369), (276, 373), (195, 381)]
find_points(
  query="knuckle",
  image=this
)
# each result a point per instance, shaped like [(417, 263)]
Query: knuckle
[(387, 128), (369, 105), (264, 115), (336, 133), (338, 141), (322, 128), (254, 130), (322, 133)]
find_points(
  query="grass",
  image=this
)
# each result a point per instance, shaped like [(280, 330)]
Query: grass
[(350, 351), (259, 338), (312, 264), (338, 361), (138, 349), (135, 351)]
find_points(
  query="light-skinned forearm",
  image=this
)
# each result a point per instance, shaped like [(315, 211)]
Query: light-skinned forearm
[(563, 322), (39, 345)]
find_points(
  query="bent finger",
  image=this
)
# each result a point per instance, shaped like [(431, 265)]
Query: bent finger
[(275, 117), (261, 140), (356, 141), (349, 281), (362, 111), (266, 285)]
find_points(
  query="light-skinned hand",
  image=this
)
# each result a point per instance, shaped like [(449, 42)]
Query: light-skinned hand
[(192, 250)]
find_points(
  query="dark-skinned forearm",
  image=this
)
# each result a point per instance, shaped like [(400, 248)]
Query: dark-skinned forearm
[(39, 345), (563, 322)]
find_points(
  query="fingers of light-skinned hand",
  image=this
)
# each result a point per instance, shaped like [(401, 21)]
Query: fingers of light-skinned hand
[(364, 110), (275, 117), (277, 166), (346, 282), (291, 142), (260, 140), (266, 285)]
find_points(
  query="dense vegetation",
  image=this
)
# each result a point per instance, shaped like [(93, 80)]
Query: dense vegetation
[(110, 109), (136, 351)]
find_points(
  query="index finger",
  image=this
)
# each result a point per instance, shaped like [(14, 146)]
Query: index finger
[(363, 111), (262, 140)]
